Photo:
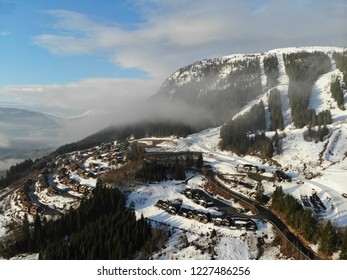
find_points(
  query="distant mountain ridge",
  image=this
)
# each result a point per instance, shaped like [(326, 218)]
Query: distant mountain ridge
[(26, 133), (17, 116)]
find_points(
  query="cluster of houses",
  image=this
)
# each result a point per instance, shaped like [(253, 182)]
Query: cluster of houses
[(100, 160), (255, 172), (65, 167), (77, 187), (101, 157), (175, 208), (64, 178), (32, 208), (198, 197), (108, 153), (23, 198), (22, 194), (96, 168), (42, 182), (235, 222)]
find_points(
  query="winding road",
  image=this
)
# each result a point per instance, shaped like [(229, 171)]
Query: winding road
[(264, 213)]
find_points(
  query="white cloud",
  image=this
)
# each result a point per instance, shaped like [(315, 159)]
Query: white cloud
[(98, 103), (7, 163), (175, 33), (104, 102), (99, 94), (4, 33), (4, 143)]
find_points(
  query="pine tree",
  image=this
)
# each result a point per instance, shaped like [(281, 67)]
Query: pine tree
[(213, 233), (328, 239), (259, 195), (189, 160), (37, 236), (303, 69), (199, 161), (343, 254), (25, 233)]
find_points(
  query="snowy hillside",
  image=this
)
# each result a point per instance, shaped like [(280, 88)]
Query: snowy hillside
[(223, 86), (298, 159), (219, 69), (229, 244), (317, 166)]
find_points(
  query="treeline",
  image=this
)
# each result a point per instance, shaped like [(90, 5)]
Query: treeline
[(337, 93), (275, 108), (133, 151), (139, 130), (21, 169), (153, 170), (322, 118), (316, 135), (329, 238), (271, 70), (297, 217), (236, 135), (341, 64), (303, 69), (101, 228)]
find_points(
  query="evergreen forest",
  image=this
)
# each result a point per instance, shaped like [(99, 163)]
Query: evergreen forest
[(271, 70), (303, 69), (275, 108), (341, 64), (21, 169), (337, 93), (244, 134), (101, 228), (329, 238)]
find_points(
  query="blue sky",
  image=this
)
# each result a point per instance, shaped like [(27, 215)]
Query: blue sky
[(50, 50), (24, 62)]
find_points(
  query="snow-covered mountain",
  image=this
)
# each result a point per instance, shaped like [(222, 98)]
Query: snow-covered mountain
[(225, 81), (229, 86), (322, 161), (223, 86)]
